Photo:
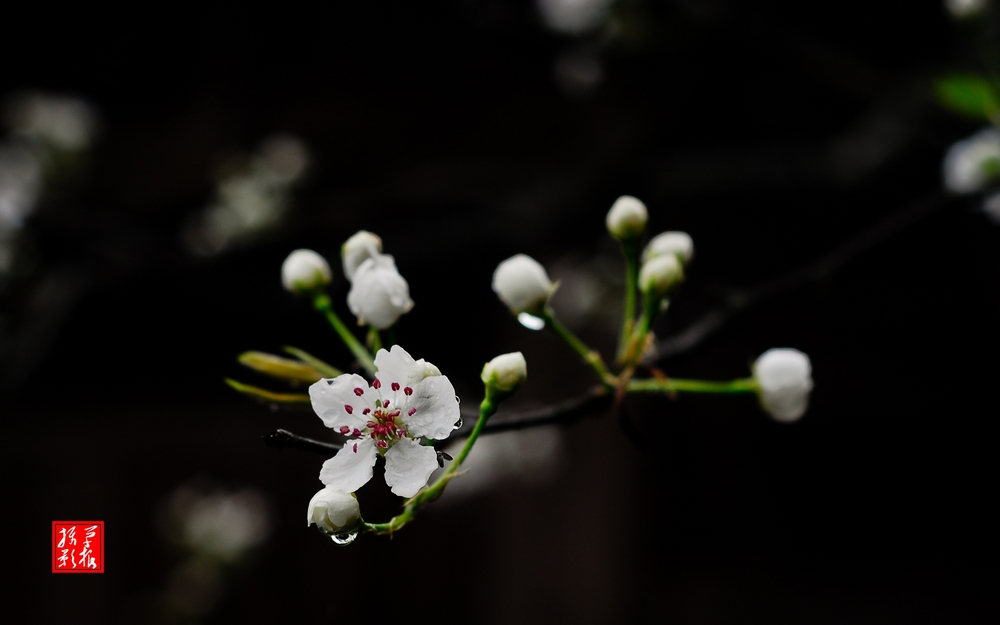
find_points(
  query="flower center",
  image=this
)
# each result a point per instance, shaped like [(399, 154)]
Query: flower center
[(385, 421)]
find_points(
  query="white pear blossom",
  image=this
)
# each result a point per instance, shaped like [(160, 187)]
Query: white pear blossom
[(972, 163), (676, 243), (660, 274), (333, 511), (406, 401), (506, 372), (522, 284), (785, 380), (305, 270), (359, 248), (379, 295), (627, 218)]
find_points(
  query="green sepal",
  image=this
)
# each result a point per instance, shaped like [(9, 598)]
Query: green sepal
[(262, 394)]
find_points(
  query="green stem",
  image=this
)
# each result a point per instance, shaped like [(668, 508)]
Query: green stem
[(637, 340), (590, 356), (670, 385), (631, 279), (486, 410), (322, 303), (374, 340)]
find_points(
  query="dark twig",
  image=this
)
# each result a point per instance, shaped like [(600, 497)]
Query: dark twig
[(280, 439), (741, 299)]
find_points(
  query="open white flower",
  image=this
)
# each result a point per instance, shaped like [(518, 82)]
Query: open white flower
[(406, 401), (971, 164), (333, 511), (379, 295), (359, 248), (522, 284), (304, 271), (785, 380)]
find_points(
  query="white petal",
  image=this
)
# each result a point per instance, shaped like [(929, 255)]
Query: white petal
[(379, 295), (408, 464), (359, 248), (332, 510), (349, 470), (331, 398), (435, 409), (396, 365)]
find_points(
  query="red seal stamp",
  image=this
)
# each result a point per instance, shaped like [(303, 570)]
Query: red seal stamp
[(78, 546)]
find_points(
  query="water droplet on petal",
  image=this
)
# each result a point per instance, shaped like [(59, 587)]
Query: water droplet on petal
[(343, 540), (458, 399), (458, 423), (530, 321)]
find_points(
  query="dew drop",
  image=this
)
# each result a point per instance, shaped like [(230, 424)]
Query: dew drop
[(458, 399), (530, 321), (343, 540), (458, 423)]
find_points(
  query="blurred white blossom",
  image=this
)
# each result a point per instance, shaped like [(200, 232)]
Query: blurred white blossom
[(221, 523), (63, 122), (972, 163), (965, 8), (574, 17)]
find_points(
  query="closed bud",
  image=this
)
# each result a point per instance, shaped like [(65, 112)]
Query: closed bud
[(379, 295), (660, 274), (627, 218), (333, 511), (522, 284), (678, 244), (359, 248), (505, 373), (305, 271), (784, 379), (971, 164)]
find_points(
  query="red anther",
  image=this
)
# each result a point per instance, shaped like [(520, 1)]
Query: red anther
[(385, 404), (344, 429), (395, 386), (392, 415), (355, 448), (349, 409), (408, 391), (382, 444), (389, 418), (376, 384), (411, 412), (401, 433), (374, 434), (366, 411), (370, 424), (359, 391), (356, 432)]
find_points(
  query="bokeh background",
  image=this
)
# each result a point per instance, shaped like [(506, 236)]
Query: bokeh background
[(192, 152)]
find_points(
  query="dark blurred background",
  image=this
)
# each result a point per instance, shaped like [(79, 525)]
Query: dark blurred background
[(462, 133)]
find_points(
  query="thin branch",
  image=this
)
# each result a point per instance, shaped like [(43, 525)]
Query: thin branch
[(280, 439), (741, 299)]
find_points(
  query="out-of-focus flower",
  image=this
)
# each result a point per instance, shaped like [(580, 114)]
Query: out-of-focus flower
[(660, 274), (505, 373), (305, 271), (379, 295), (62, 122), (991, 206), (971, 164), (359, 248), (333, 511), (405, 402), (20, 185), (574, 17), (221, 524), (522, 284), (784, 377), (676, 243), (627, 218), (965, 8)]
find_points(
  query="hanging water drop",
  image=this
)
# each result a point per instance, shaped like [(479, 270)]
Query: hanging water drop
[(343, 540), (458, 423), (530, 321)]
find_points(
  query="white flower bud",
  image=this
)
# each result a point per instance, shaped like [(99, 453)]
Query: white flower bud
[(660, 274), (333, 511), (971, 164), (359, 248), (676, 243), (506, 372), (785, 379), (627, 218), (379, 295), (304, 271), (522, 284)]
